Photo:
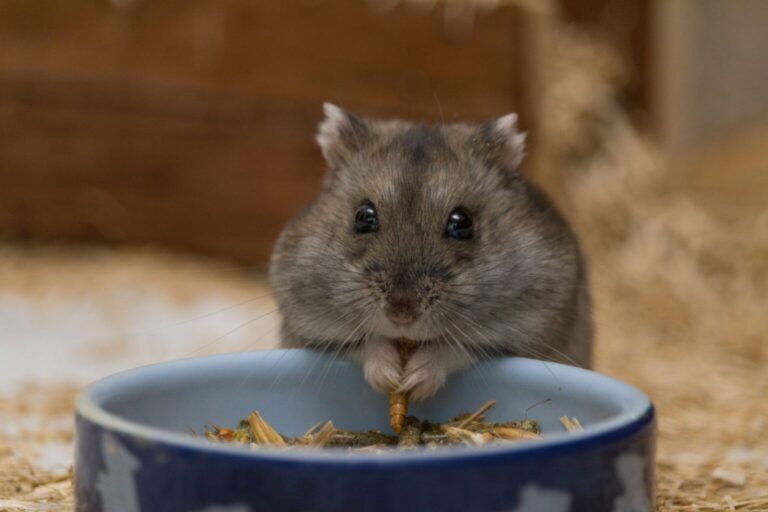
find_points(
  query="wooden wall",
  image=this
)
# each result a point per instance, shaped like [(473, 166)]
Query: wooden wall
[(710, 60), (190, 123)]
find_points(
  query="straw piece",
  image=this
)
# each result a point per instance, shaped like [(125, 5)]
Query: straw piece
[(571, 424), (323, 435), (262, 432), (477, 415), (515, 434), (462, 436)]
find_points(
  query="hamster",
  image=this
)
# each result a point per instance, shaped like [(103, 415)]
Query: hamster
[(429, 233)]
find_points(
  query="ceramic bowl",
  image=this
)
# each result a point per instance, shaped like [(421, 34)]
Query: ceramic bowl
[(134, 450)]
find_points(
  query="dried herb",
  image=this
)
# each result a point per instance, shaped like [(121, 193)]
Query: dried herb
[(350, 439), (410, 436)]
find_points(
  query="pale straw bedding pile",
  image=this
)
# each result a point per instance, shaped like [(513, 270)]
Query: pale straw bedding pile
[(41, 416), (681, 304), (681, 297)]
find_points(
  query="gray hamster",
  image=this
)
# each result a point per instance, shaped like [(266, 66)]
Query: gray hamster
[(432, 234)]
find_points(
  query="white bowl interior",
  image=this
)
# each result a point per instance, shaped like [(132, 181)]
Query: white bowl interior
[(296, 389)]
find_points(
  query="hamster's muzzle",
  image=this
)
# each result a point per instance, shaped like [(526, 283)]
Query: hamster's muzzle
[(402, 305)]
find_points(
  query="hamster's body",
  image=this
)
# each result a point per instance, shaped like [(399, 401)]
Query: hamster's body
[(431, 234)]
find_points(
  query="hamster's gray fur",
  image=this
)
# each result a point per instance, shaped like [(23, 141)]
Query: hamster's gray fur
[(518, 286)]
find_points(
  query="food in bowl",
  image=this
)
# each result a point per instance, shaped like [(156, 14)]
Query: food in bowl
[(465, 429)]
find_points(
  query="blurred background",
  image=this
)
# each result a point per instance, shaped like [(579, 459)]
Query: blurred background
[(189, 124), (151, 151)]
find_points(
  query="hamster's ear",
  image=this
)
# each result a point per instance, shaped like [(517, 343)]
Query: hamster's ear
[(503, 143), (340, 134)]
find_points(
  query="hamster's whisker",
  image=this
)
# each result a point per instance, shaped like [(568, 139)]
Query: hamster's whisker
[(152, 330), (343, 347), (497, 282), (274, 365), (320, 300), (471, 323), (363, 313), (314, 265), (326, 273), (248, 322), (484, 268), (488, 351), (347, 339), (279, 373), (362, 285), (254, 343), (318, 315), (564, 357), (322, 344), (349, 290), (453, 344), (439, 107), (341, 321), (523, 346), (485, 284), (461, 331), (350, 347), (212, 268), (443, 334), (463, 351), (525, 349), (528, 350)]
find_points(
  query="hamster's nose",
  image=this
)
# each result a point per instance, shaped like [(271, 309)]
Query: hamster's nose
[(402, 306)]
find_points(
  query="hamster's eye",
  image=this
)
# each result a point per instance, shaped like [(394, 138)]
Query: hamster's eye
[(459, 225), (366, 220)]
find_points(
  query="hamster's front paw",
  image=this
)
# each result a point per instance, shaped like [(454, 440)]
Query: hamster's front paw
[(382, 366), (425, 373)]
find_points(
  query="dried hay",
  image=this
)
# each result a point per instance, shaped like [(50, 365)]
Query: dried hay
[(680, 296), (46, 418)]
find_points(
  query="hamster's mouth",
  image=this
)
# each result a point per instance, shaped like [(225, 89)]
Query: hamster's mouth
[(414, 329)]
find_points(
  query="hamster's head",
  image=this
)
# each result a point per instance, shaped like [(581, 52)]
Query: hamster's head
[(421, 232)]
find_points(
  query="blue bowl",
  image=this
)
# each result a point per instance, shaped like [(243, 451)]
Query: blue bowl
[(134, 451)]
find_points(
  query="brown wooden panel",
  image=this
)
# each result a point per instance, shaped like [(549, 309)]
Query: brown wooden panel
[(190, 122)]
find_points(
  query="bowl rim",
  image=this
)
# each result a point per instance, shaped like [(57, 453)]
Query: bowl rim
[(623, 426)]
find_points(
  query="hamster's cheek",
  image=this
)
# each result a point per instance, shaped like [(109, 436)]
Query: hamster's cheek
[(382, 367)]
